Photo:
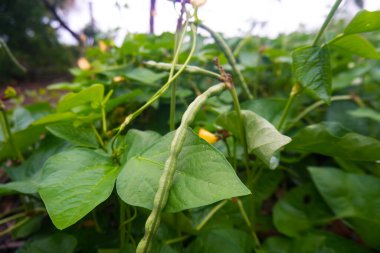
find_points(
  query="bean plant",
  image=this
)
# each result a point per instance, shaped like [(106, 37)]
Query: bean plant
[(173, 143)]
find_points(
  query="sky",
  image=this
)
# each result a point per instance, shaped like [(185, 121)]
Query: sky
[(233, 18)]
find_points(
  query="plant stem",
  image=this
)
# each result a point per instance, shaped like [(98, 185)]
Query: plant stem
[(178, 239), (315, 105), (166, 179), (295, 91), (230, 57), (8, 134), (180, 35), (240, 45), (248, 222), (327, 21), (103, 108), (158, 94), (98, 137), (211, 214), (97, 226), (13, 217), (18, 224), (188, 69), (240, 118), (121, 222)]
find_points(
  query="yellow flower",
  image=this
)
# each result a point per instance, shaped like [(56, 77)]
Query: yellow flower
[(83, 64), (197, 3), (118, 79), (103, 46), (207, 136)]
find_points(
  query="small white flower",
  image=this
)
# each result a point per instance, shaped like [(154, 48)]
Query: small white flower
[(197, 3)]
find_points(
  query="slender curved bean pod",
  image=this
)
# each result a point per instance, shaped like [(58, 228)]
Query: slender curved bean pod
[(166, 179)]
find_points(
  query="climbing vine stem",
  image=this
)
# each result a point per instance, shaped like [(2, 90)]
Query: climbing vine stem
[(162, 194), (230, 57), (161, 91)]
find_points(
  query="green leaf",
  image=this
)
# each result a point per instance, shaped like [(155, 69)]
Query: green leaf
[(25, 187), (145, 76), (92, 96), (366, 113), (311, 67), (29, 227), (22, 118), (324, 242), (203, 175), (276, 244), (82, 136), (30, 169), (54, 118), (267, 184), (352, 196), (301, 209), (57, 243), (74, 182), (331, 139), (268, 108), (222, 240), (23, 139), (136, 141), (263, 139), (356, 44), (312, 242), (364, 21)]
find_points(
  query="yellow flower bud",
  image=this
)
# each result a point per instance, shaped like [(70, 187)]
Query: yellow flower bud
[(83, 64), (103, 46), (207, 136), (118, 79), (197, 3)]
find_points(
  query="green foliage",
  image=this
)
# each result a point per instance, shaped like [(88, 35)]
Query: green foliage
[(262, 137), (311, 66), (332, 139), (203, 176), (74, 182), (103, 157)]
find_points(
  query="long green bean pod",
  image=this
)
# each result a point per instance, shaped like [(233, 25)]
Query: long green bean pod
[(166, 179), (230, 57), (188, 69)]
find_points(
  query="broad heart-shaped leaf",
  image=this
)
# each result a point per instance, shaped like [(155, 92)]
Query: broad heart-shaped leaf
[(356, 44), (263, 139), (303, 208), (311, 67), (82, 136), (203, 175), (92, 96), (136, 141), (354, 197), (222, 240), (364, 21), (74, 182), (57, 243), (331, 139)]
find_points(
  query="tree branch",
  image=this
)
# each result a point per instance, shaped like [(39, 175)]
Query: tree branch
[(53, 11)]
